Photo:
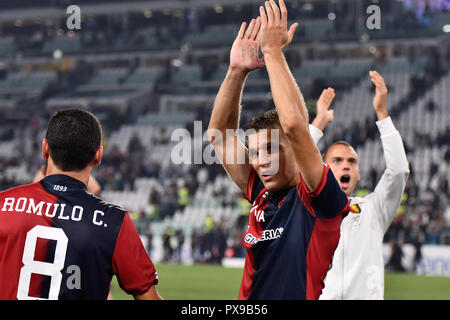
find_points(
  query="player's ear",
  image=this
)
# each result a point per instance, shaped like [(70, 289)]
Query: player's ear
[(98, 156), (45, 149)]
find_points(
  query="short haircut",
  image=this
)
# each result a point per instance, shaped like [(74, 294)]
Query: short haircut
[(340, 142), (265, 120), (74, 136)]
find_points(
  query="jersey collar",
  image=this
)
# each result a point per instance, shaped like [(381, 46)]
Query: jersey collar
[(61, 183)]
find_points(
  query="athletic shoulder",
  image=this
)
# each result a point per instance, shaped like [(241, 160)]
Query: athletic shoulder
[(21, 190), (107, 206)]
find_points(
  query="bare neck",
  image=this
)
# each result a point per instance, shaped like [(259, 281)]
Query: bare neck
[(82, 175)]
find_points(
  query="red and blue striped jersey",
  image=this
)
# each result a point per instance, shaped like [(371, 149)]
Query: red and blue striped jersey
[(58, 241), (291, 238)]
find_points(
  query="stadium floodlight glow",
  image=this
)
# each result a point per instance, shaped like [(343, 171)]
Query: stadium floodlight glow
[(185, 47), (148, 13), (58, 54), (176, 63), (364, 37), (308, 7), (446, 28)]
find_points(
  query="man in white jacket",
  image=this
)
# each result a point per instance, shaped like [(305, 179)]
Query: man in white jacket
[(357, 270)]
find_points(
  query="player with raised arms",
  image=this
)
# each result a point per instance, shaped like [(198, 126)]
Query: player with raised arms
[(297, 205), (357, 270)]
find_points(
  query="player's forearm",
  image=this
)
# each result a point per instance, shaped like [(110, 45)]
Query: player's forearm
[(320, 123), (151, 294), (382, 114), (226, 111), (380, 106), (286, 94), (293, 117)]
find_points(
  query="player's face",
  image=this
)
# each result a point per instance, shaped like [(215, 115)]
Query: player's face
[(343, 161), (272, 159)]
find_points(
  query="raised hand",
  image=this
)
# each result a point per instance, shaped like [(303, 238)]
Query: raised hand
[(274, 34), (324, 115), (244, 52), (381, 92)]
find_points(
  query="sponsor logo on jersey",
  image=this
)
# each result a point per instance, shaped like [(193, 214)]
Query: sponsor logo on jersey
[(259, 213), (270, 234)]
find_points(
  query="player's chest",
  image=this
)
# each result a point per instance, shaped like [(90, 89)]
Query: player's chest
[(357, 222), (280, 223), (269, 211)]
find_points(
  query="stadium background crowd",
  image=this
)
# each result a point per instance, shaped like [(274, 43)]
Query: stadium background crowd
[(146, 69)]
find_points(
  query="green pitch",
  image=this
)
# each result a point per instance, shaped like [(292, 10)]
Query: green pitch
[(405, 286), (202, 282), (208, 282)]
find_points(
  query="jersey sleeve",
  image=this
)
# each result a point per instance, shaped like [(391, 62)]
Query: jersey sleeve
[(327, 200), (389, 190), (254, 186), (316, 133), (135, 271)]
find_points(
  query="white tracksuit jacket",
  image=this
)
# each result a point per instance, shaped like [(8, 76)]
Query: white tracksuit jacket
[(357, 270)]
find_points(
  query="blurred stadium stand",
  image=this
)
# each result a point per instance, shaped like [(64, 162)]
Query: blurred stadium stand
[(146, 68)]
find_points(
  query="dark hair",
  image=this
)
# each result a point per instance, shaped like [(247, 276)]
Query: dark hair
[(74, 136), (340, 142), (265, 120)]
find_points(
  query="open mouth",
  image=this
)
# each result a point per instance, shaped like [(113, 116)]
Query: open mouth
[(345, 181)]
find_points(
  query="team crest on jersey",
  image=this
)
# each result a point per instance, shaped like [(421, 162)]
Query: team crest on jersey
[(355, 208)]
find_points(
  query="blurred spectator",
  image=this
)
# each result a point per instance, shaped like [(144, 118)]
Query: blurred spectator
[(418, 242), (179, 234), (167, 245), (373, 178), (182, 196), (395, 260)]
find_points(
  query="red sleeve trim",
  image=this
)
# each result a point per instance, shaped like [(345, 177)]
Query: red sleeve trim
[(322, 244), (135, 271), (306, 195), (322, 183), (247, 277), (346, 209)]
